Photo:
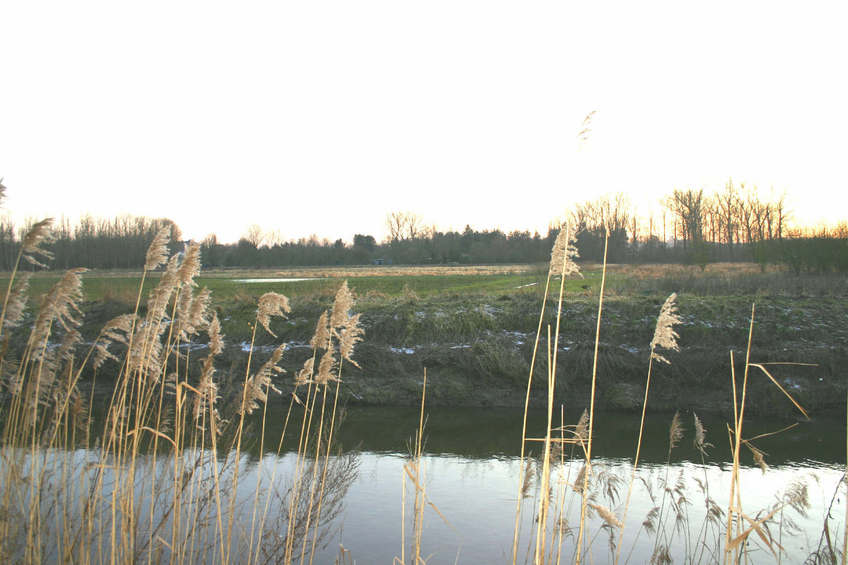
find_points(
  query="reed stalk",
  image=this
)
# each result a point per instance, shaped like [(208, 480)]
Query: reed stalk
[(592, 402)]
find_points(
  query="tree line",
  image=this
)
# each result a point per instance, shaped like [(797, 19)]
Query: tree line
[(735, 223)]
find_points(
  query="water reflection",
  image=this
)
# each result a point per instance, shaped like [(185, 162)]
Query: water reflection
[(486, 433), (477, 497), (471, 476), (472, 471)]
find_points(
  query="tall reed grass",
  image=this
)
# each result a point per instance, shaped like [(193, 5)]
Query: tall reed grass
[(148, 467), (568, 506)]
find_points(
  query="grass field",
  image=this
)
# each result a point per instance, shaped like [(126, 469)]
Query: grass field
[(122, 286), (717, 280)]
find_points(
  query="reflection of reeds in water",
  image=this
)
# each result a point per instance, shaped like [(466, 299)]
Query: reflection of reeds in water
[(414, 470), (163, 479)]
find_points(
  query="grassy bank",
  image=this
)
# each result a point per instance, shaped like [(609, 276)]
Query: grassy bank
[(473, 329)]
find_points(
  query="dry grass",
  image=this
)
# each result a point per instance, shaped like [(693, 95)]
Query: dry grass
[(372, 271), (732, 536), (156, 474)]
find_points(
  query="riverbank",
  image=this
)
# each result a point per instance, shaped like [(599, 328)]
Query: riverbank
[(477, 347)]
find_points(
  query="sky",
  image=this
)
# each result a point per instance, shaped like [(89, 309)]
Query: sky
[(322, 117)]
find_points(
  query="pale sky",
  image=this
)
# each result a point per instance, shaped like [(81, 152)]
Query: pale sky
[(321, 117)]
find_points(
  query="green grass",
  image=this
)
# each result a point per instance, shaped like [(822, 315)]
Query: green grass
[(123, 287)]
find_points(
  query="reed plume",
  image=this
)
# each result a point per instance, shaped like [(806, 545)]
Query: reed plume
[(321, 337), (116, 330), (258, 385), (675, 432), (585, 127), (17, 301), (190, 266), (341, 307), (60, 305), (271, 304), (349, 335), (207, 389), (564, 253), (157, 252), (304, 375), (666, 337), (326, 367), (700, 442), (37, 236), (664, 334), (607, 515)]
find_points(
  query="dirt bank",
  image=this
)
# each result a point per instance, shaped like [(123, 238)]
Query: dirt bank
[(477, 352)]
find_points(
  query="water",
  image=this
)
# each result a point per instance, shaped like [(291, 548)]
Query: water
[(271, 280), (471, 471), (472, 468)]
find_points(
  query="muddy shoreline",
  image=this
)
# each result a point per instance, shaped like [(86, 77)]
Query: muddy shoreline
[(477, 351)]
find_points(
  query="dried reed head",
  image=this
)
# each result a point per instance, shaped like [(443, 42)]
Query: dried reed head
[(190, 266), (700, 441), (207, 388), (198, 314), (585, 127), (581, 430), (321, 337), (160, 296), (258, 386), (607, 515), (271, 304), (157, 253), (661, 556), (192, 312), (304, 375), (675, 432), (145, 357), (759, 457), (564, 253), (17, 301), (349, 336), (216, 341), (61, 304), (53, 363), (185, 297), (664, 334), (39, 234), (116, 329), (578, 484), (797, 496), (650, 522), (326, 367), (341, 307)]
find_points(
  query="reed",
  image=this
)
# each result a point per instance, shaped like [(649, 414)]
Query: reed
[(717, 535), (157, 476)]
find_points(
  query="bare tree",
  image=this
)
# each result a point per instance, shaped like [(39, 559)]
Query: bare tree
[(403, 225), (727, 208), (612, 211), (254, 236), (688, 207)]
